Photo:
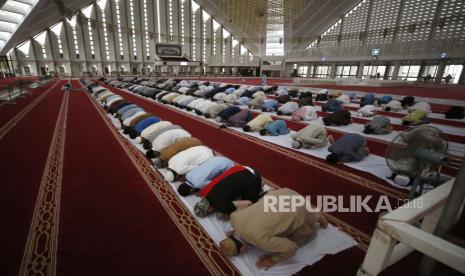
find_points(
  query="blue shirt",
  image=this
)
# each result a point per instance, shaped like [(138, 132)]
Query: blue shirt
[(270, 105), (140, 126), (277, 128), (351, 95), (385, 99), (332, 106), (242, 101), (131, 112), (349, 147), (200, 176), (229, 90), (367, 99), (124, 109)]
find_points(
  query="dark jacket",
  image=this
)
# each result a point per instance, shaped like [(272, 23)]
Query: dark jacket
[(338, 118), (228, 112)]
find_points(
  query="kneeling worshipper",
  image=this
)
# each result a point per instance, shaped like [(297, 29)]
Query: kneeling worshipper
[(184, 102), (147, 135), (414, 118), (276, 128), (168, 152), (351, 147), (352, 96), (270, 105), (258, 123), (123, 109), (169, 97), (242, 101), (186, 160), (288, 108), (230, 98), (305, 113), (134, 121), (213, 111), (379, 125), (454, 112), (306, 101), (344, 99), (278, 233), (384, 99), (331, 106), (407, 101), (193, 103), (239, 186), (203, 107), (367, 99), (165, 139), (203, 174), (366, 111), (311, 137), (136, 116), (226, 113), (257, 102), (141, 125), (117, 106), (333, 94), (219, 97), (130, 112), (393, 105), (338, 118), (283, 99), (420, 106), (239, 119)]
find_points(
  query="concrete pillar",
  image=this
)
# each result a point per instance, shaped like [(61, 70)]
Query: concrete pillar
[(332, 72), (440, 72), (395, 73), (360, 70)]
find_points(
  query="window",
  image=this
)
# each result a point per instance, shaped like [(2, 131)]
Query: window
[(454, 71), (146, 28), (370, 71), (302, 71), (158, 21), (118, 25), (195, 7), (183, 40), (170, 18), (133, 27), (225, 37), (216, 25), (87, 13), (56, 29), (102, 4), (322, 71), (40, 38), (430, 70), (346, 71), (409, 72), (205, 17)]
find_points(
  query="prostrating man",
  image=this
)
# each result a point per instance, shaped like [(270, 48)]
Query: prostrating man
[(134, 121), (269, 105), (275, 128), (393, 105), (239, 119), (200, 176), (278, 233), (351, 147), (213, 111), (338, 118), (331, 105), (311, 137), (379, 125), (186, 160), (149, 134), (288, 108), (142, 125), (165, 139), (168, 152), (226, 113), (237, 187), (367, 99), (414, 118), (258, 123), (305, 113), (366, 111)]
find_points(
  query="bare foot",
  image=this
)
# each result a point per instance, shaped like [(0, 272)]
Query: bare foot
[(330, 139)]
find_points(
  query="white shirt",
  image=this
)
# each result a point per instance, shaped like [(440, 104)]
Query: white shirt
[(310, 113), (178, 98), (195, 102), (395, 105), (343, 99), (230, 98), (206, 106), (186, 160), (366, 111), (152, 128), (421, 106), (220, 96), (113, 100), (168, 137), (104, 94), (258, 94), (289, 107), (183, 90), (128, 121)]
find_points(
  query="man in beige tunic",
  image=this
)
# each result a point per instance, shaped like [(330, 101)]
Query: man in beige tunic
[(279, 233)]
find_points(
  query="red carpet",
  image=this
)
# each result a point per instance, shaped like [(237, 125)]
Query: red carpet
[(111, 223), (23, 154)]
